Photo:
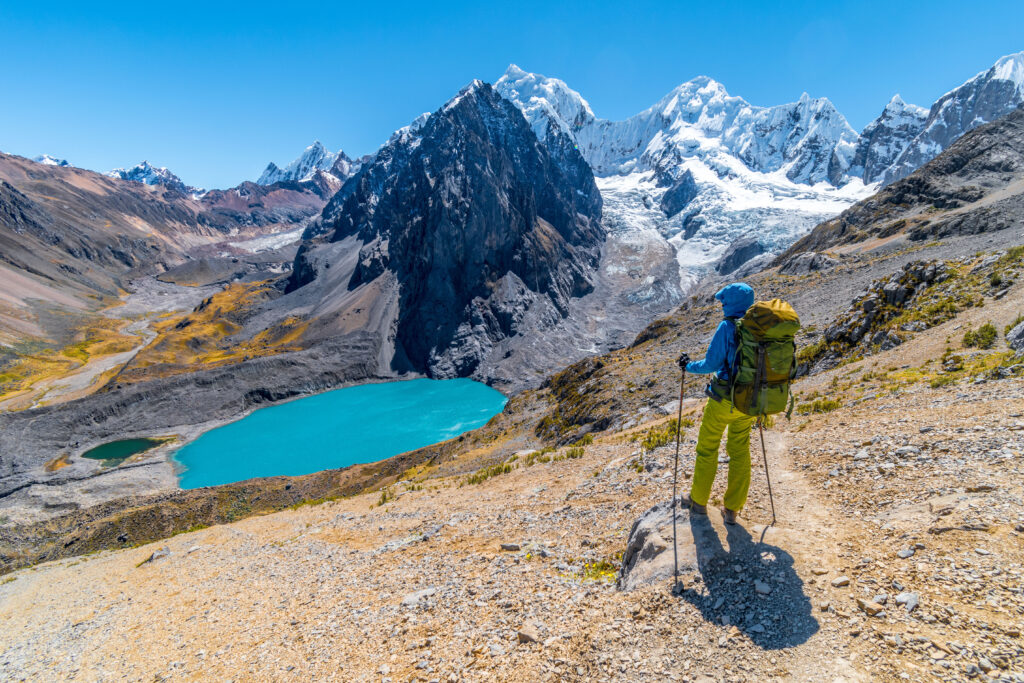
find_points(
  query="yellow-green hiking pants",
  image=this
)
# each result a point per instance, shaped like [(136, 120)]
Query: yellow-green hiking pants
[(719, 415)]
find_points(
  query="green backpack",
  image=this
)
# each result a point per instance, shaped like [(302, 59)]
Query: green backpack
[(765, 361)]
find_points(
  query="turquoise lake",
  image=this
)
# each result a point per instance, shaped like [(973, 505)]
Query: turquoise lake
[(360, 424)]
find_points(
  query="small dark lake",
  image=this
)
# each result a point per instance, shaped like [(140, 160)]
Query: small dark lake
[(115, 452)]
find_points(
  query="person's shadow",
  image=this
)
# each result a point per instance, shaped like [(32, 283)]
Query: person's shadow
[(775, 617)]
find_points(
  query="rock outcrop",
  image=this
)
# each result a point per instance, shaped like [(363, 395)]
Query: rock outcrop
[(807, 262), (737, 254)]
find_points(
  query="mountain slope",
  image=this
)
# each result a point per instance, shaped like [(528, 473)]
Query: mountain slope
[(977, 185), (466, 223), (986, 97)]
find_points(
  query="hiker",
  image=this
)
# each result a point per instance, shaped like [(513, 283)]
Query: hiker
[(719, 413)]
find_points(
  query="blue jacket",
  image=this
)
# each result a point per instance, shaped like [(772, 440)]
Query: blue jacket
[(736, 299)]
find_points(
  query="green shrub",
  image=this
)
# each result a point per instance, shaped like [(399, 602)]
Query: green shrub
[(983, 337), (486, 473), (807, 354), (821, 405), (540, 456), (941, 381), (657, 437), (995, 279)]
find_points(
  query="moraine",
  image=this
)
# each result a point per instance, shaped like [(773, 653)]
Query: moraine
[(359, 424)]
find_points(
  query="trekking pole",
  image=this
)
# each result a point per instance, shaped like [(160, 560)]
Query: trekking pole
[(760, 429), (675, 479)]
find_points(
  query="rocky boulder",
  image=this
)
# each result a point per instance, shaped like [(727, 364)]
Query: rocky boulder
[(648, 556), (737, 254), (808, 262), (1015, 338), (681, 192)]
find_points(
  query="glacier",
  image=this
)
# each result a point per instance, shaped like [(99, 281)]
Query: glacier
[(701, 168)]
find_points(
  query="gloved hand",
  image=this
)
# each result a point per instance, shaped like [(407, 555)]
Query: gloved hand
[(684, 358)]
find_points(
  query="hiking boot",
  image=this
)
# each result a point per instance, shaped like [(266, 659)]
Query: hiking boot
[(729, 516), (686, 502)]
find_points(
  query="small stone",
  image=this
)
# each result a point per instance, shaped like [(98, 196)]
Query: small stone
[(193, 549), (905, 553), (528, 634), (869, 607), (511, 547), (893, 640), (819, 571), (982, 551), (157, 555), (881, 598), (985, 664), (840, 581), (908, 600), (756, 628), (825, 606), (762, 587)]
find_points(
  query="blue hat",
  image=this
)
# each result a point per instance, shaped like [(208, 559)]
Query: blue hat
[(736, 299)]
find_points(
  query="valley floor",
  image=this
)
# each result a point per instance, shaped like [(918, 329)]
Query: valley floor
[(904, 489)]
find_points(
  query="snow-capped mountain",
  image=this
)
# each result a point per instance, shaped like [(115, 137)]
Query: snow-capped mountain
[(883, 140), (147, 174), (314, 158), (48, 160), (702, 168), (798, 138), (991, 94)]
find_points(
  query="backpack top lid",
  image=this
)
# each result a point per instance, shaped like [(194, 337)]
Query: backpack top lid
[(773, 319)]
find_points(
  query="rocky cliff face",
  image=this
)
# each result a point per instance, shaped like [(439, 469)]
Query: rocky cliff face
[(476, 221), (883, 140)]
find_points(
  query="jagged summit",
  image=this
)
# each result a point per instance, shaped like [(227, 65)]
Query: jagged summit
[(314, 158), (884, 139), (48, 160), (148, 174)]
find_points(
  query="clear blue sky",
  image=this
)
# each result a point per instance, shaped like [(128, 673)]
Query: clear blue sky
[(215, 91)]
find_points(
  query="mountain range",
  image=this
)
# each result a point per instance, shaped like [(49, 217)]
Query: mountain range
[(501, 236)]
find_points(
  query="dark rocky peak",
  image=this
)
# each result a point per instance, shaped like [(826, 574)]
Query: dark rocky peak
[(475, 218)]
